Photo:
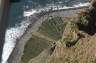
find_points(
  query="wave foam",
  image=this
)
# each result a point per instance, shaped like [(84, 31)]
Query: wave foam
[(10, 39), (52, 7), (13, 33)]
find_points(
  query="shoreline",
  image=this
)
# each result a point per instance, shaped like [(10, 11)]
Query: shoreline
[(36, 20), (58, 10)]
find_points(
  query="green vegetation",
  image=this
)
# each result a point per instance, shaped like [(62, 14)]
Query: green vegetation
[(76, 39), (93, 61), (53, 28), (34, 47), (86, 21), (83, 20), (80, 28), (70, 34)]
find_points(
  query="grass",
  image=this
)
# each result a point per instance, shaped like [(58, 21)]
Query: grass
[(34, 47), (84, 20), (53, 28)]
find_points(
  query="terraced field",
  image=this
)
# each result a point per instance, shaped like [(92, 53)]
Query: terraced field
[(33, 47), (53, 28), (50, 31)]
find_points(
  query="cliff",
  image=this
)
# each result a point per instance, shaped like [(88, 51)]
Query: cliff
[(65, 36), (77, 44)]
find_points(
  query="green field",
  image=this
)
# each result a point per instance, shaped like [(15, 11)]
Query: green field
[(53, 28), (33, 48)]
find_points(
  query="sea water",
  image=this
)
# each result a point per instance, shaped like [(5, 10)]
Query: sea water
[(18, 21)]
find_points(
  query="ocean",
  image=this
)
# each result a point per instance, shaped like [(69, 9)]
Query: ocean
[(19, 21)]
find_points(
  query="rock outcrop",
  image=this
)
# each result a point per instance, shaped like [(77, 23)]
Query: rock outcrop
[(93, 4), (84, 50)]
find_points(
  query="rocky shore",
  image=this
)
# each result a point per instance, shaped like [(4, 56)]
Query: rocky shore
[(36, 21)]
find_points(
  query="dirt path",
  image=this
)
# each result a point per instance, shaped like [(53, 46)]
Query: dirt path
[(42, 36), (36, 21)]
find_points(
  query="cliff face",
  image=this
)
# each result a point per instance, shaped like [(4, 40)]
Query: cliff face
[(78, 42)]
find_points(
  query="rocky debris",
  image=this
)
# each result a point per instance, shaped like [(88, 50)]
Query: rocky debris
[(82, 52), (84, 49), (17, 53)]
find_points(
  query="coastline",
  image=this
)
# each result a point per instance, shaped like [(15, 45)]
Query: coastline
[(36, 21)]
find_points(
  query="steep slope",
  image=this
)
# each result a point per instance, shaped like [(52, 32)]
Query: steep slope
[(78, 41)]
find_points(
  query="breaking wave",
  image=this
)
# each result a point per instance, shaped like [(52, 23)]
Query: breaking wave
[(14, 33), (10, 39), (52, 7)]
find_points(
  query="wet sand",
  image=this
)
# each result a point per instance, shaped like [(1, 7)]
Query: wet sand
[(36, 21)]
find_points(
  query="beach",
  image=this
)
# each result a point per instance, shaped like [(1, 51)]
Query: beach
[(36, 20)]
